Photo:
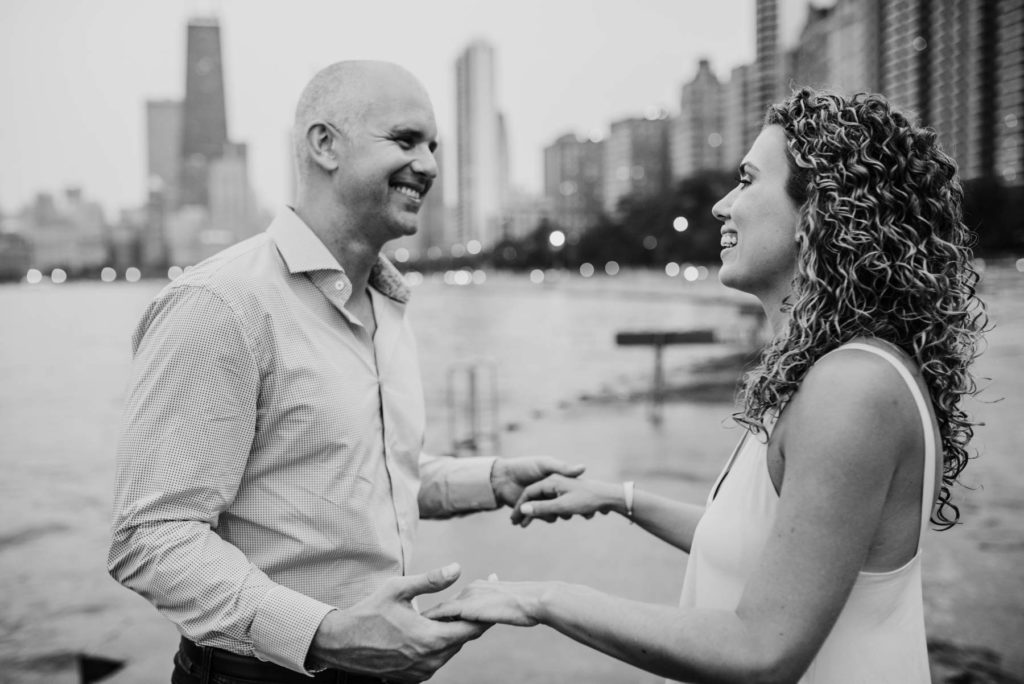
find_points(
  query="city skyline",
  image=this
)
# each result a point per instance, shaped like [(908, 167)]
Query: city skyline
[(599, 67)]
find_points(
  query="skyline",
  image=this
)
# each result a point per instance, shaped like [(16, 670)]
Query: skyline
[(103, 62)]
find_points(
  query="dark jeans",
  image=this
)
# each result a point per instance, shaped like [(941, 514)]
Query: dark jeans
[(205, 665)]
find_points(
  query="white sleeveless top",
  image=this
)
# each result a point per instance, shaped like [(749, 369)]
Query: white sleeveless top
[(879, 636)]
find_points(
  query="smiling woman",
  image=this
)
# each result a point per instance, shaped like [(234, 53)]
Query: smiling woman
[(805, 559)]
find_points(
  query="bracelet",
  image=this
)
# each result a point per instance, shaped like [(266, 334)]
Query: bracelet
[(627, 494)]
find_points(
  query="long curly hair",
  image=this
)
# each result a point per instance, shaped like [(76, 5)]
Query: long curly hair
[(883, 253)]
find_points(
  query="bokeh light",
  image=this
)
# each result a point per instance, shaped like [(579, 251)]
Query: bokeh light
[(34, 276), (672, 269), (58, 275), (611, 268), (536, 276), (413, 278), (1020, 265), (174, 271), (557, 238), (479, 277), (108, 274), (680, 224), (691, 273), (401, 255), (586, 270), (458, 249), (132, 274), (650, 242), (473, 246)]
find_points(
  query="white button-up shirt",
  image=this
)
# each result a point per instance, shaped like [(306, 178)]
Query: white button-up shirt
[(269, 467)]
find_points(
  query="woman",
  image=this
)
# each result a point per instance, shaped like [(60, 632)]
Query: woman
[(804, 562)]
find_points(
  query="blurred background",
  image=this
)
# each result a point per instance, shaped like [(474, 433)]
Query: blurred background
[(582, 147)]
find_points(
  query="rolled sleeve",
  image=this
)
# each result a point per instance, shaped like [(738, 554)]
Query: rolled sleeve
[(450, 486)]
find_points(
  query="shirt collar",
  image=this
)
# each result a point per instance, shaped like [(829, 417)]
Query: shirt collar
[(303, 252)]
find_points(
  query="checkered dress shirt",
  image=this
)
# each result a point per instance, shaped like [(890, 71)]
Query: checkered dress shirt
[(269, 467)]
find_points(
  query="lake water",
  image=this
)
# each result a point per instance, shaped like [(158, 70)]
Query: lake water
[(64, 355)]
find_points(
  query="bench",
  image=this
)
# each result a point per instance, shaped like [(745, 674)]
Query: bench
[(659, 340)]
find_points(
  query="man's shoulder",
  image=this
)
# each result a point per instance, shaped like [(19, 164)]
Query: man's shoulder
[(236, 274)]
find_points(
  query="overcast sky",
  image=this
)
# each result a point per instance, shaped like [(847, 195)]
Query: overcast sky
[(75, 74)]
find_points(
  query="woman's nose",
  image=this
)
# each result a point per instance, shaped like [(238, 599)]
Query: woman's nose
[(721, 209)]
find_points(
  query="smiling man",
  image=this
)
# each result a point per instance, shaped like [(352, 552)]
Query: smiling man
[(269, 472)]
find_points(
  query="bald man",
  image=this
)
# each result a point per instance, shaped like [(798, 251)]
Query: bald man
[(269, 471)]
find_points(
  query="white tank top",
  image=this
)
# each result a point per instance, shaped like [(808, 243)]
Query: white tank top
[(879, 636)]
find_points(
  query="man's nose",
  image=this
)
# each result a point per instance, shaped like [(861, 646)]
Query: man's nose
[(425, 163)]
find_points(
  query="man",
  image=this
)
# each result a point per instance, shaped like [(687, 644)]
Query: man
[(269, 471)]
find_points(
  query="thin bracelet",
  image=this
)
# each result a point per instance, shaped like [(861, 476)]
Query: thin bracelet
[(627, 494)]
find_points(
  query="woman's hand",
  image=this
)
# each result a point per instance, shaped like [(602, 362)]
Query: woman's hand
[(507, 603), (557, 496)]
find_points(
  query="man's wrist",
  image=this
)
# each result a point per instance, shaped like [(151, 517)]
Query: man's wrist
[(499, 473)]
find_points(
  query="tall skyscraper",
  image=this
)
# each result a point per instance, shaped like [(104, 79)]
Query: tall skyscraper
[(636, 159), (163, 147), (204, 119), (481, 152), (740, 121), (905, 37), (697, 131), (1008, 123), (573, 180), (163, 173)]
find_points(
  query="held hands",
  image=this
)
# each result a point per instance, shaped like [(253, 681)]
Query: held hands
[(510, 476), (491, 601), (560, 497), (384, 635)]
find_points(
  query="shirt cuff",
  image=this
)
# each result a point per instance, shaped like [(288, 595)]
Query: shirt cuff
[(284, 626), (469, 484)]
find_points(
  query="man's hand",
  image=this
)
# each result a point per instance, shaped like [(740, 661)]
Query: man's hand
[(384, 635), (511, 475)]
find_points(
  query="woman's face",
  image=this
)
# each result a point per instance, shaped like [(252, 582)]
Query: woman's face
[(759, 222)]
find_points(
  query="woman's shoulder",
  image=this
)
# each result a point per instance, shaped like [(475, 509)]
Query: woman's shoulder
[(854, 383)]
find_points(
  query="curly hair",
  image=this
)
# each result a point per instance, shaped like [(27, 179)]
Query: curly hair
[(884, 253)]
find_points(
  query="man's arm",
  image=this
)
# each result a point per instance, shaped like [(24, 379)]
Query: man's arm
[(188, 426), (450, 486)]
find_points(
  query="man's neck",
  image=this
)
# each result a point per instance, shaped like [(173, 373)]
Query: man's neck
[(349, 245)]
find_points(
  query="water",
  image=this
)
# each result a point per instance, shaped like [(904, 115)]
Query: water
[(64, 356)]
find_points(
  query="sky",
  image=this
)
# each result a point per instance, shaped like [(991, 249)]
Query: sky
[(75, 74)]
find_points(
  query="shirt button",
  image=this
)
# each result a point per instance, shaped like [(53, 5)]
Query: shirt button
[(339, 285)]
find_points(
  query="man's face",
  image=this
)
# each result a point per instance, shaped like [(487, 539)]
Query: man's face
[(386, 155)]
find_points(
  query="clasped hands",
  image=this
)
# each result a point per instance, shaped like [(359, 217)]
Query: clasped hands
[(521, 603), (385, 635)]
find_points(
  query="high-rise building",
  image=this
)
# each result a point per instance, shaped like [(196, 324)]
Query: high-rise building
[(481, 152), (740, 118), (232, 216), (573, 180), (904, 39), (163, 172), (163, 148), (853, 54), (809, 63), (204, 118), (1008, 122), (767, 55), (636, 159), (696, 134)]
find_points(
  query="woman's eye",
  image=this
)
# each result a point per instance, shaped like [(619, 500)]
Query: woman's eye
[(743, 180)]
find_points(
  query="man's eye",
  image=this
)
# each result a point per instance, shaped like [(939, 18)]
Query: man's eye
[(405, 143)]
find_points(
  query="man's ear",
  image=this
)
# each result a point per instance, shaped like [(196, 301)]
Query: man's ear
[(320, 143)]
